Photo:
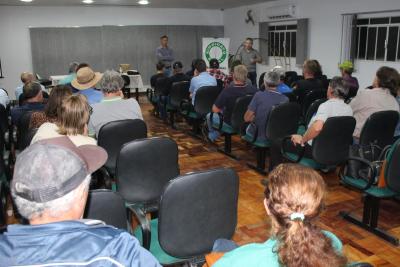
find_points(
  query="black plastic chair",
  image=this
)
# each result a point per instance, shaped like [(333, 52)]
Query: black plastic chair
[(113, 135), (203, 102), (179, 92), (107, 206), (373, 194), (236, 124), (292, 97), (144, 167), (24, 133), (329, 148), (309, 114), (195, 210), (261, 80), (310, 98), (126, 90), (282, 120)]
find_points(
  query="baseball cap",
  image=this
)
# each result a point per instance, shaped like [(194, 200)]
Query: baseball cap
[(346, 65), (41, 166), (177, 65)]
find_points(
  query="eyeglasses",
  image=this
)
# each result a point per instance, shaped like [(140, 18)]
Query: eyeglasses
[(90, 110)]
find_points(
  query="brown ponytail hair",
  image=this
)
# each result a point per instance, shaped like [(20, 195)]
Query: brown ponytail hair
[(292, 189)]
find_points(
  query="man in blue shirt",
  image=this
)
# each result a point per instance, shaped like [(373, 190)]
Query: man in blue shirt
[(33, 96), (85, 82), (202, 78), (51, 192), (165, 55)]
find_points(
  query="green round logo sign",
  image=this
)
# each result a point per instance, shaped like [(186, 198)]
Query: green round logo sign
[(216, 50)]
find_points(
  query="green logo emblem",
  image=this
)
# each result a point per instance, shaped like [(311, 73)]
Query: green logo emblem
[(216, 50)]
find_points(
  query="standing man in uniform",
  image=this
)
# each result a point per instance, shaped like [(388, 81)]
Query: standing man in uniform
[(250, 57), (165, 55)]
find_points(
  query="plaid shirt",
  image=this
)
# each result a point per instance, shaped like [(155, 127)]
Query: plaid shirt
[(217, 74)]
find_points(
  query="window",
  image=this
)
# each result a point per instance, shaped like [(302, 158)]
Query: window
[(378, 39), (282, 40)]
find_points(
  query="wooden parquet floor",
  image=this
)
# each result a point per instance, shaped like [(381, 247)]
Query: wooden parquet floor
[(253, 223)]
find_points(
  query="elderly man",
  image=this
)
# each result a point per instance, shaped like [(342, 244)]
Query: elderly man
[(165, 55), (113, 107), (250, 57), (261, 105), (26, 77), (33, 101), (51, 192), (226, 101)]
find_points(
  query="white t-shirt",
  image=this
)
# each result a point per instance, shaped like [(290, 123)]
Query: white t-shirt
[(334, 107), (50, 130)]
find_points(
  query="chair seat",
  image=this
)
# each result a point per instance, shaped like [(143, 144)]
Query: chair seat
[(301, 130), (171, 108), (191, 114), (354, 182), (258, 143), (226, 128), (155, 247), (375, 191), (305, 161)]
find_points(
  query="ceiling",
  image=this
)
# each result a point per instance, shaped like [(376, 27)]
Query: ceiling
[(205, 4)]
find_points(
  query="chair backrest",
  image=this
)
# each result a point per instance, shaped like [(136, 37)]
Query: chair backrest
[(24, 133), (240, 108), (220, 84), (379, 128), (144, 167), (392, 171), (126, 79), (331, 146), (196, 209), (313, 109), (283, 120), (113, 135), (3, 119), (107, 206), (179, 91), (162, 85), (310, 98), (205, 98), (292, 97), (261, 80)]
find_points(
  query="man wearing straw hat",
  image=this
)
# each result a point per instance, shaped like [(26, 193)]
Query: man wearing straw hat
[(85, 82)]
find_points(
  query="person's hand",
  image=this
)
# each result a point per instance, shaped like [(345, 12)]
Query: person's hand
[(297, 139)]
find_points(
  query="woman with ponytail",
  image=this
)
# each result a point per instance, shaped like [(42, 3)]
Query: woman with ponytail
[(294, 198)]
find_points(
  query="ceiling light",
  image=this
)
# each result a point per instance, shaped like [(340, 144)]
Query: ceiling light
[(27, 1), (87, 1), (143, 2)]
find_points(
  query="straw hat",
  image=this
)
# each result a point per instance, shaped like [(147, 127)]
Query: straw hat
[(86, 78)]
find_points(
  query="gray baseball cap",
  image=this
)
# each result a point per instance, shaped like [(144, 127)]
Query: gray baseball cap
[(51, 168)]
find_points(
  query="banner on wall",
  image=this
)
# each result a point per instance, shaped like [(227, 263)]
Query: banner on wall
[(217, 48)]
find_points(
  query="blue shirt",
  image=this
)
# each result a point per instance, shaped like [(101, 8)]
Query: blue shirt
[(17, 112), (72, 243), (165, 55), (263, 254), (203, 79), (68, 79), (261, 105), (283, 88), (93, 96)]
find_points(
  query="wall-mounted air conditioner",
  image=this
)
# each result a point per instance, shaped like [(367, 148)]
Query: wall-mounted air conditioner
[(281, 12)]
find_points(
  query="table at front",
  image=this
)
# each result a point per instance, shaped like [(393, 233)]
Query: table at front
[(55, 79)]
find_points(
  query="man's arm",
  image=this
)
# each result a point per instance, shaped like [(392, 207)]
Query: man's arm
[(311, 133), (258, 58), (168, 57), (249, 116), (216, 109)]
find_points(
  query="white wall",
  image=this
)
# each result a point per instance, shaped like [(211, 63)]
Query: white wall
[(324, 31), (15, 48)]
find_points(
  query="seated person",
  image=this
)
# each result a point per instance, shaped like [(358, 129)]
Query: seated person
[(334, 107), (85, 82), (319, 75), (346, 69), (26, 77), (310, 83), (49, 114), (159, 74), (261, 104), (178, 75), (113, 107), (201, 78), (72, 119), (50, 189), (72, 69), (215, 71), (282, 87), (226, 100), (380, 98), (294, 198), (33, 101), (190, 73), (229, 78), (4, 99)]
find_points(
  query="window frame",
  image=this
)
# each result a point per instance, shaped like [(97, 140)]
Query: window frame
[(277, 31)]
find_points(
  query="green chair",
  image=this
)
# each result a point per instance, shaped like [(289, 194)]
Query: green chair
[(195, 210), (236, 125), (329, 148), (374, 193), (282, 120)]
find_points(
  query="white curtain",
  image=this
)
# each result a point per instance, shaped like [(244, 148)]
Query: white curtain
[(349, 31)]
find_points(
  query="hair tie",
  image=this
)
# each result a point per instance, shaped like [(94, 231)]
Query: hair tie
[(297, 215)]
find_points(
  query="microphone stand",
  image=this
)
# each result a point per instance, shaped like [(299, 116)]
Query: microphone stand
[(1, 71)]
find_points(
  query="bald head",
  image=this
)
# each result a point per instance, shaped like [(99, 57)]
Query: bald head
[(27, 77)]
